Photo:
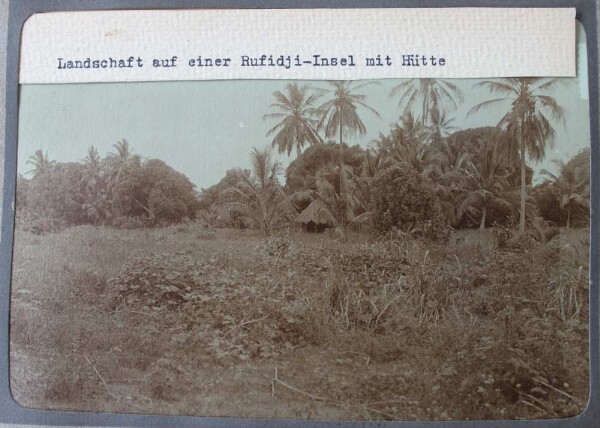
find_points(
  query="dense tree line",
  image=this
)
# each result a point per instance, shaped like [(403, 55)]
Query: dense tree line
[(424, 175), (120, 190), (438, 173)]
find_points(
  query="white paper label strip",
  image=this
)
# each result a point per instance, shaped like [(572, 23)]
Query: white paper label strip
[(148, 45)]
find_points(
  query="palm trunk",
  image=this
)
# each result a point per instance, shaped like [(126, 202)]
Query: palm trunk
[(342, 190), (568, 216), (483, 215), (523, 178)]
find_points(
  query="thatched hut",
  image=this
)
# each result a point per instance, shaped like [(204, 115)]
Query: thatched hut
[(316, 218)]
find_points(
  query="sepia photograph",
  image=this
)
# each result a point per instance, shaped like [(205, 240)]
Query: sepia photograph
[(392, 249)]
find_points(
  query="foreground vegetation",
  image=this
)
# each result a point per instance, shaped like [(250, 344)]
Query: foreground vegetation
[(192, 320)]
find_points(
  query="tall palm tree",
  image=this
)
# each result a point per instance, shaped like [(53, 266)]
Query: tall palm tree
[(40, 163), (526, 120), (339, 116), (257, 195), (428, 93), (573, 187), (296, 114)]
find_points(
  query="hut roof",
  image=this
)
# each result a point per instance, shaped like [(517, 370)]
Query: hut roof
[(317, 213)]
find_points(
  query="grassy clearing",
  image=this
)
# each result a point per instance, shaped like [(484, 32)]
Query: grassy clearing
[(185, 320)]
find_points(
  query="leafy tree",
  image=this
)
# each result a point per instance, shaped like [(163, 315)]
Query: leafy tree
[(339, 116), (441, 94), (402, 200), (40, 163), (526, 120), (157, 192), (302, 172), (212, 197), (296, 115), (56, 195), (258, 196)]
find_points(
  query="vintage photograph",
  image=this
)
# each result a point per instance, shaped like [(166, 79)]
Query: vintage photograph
[(409, 249)]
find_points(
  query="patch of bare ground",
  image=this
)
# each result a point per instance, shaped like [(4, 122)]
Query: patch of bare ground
[(184, 321)]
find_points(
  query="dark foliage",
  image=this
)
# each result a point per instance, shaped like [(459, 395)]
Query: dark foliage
[(157, 191), (54, 195), (301, 173), (120, 191), (400, 199)]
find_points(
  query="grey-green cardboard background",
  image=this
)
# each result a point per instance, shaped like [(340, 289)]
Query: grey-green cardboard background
[(3, 30)]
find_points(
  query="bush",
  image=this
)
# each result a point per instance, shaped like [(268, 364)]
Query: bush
[(128, 223), (401, 200), (39, 224), (503, 232)]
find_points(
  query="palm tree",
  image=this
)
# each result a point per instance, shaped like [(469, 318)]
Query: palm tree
[(405, 143), (573, 187), (486, 183), (429, 93), (372, 163), (40, 163), (413, 129), (122, 160), (93, 183), (296, 114), (440, 126), (447, 170), (92, 159), (258, 195), (343, 206), (339, 116), (526, 121), (123, 151), (93, 168)]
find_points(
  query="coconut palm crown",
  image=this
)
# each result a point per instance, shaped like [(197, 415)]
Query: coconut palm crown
[(297, 124), (425, 94)]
